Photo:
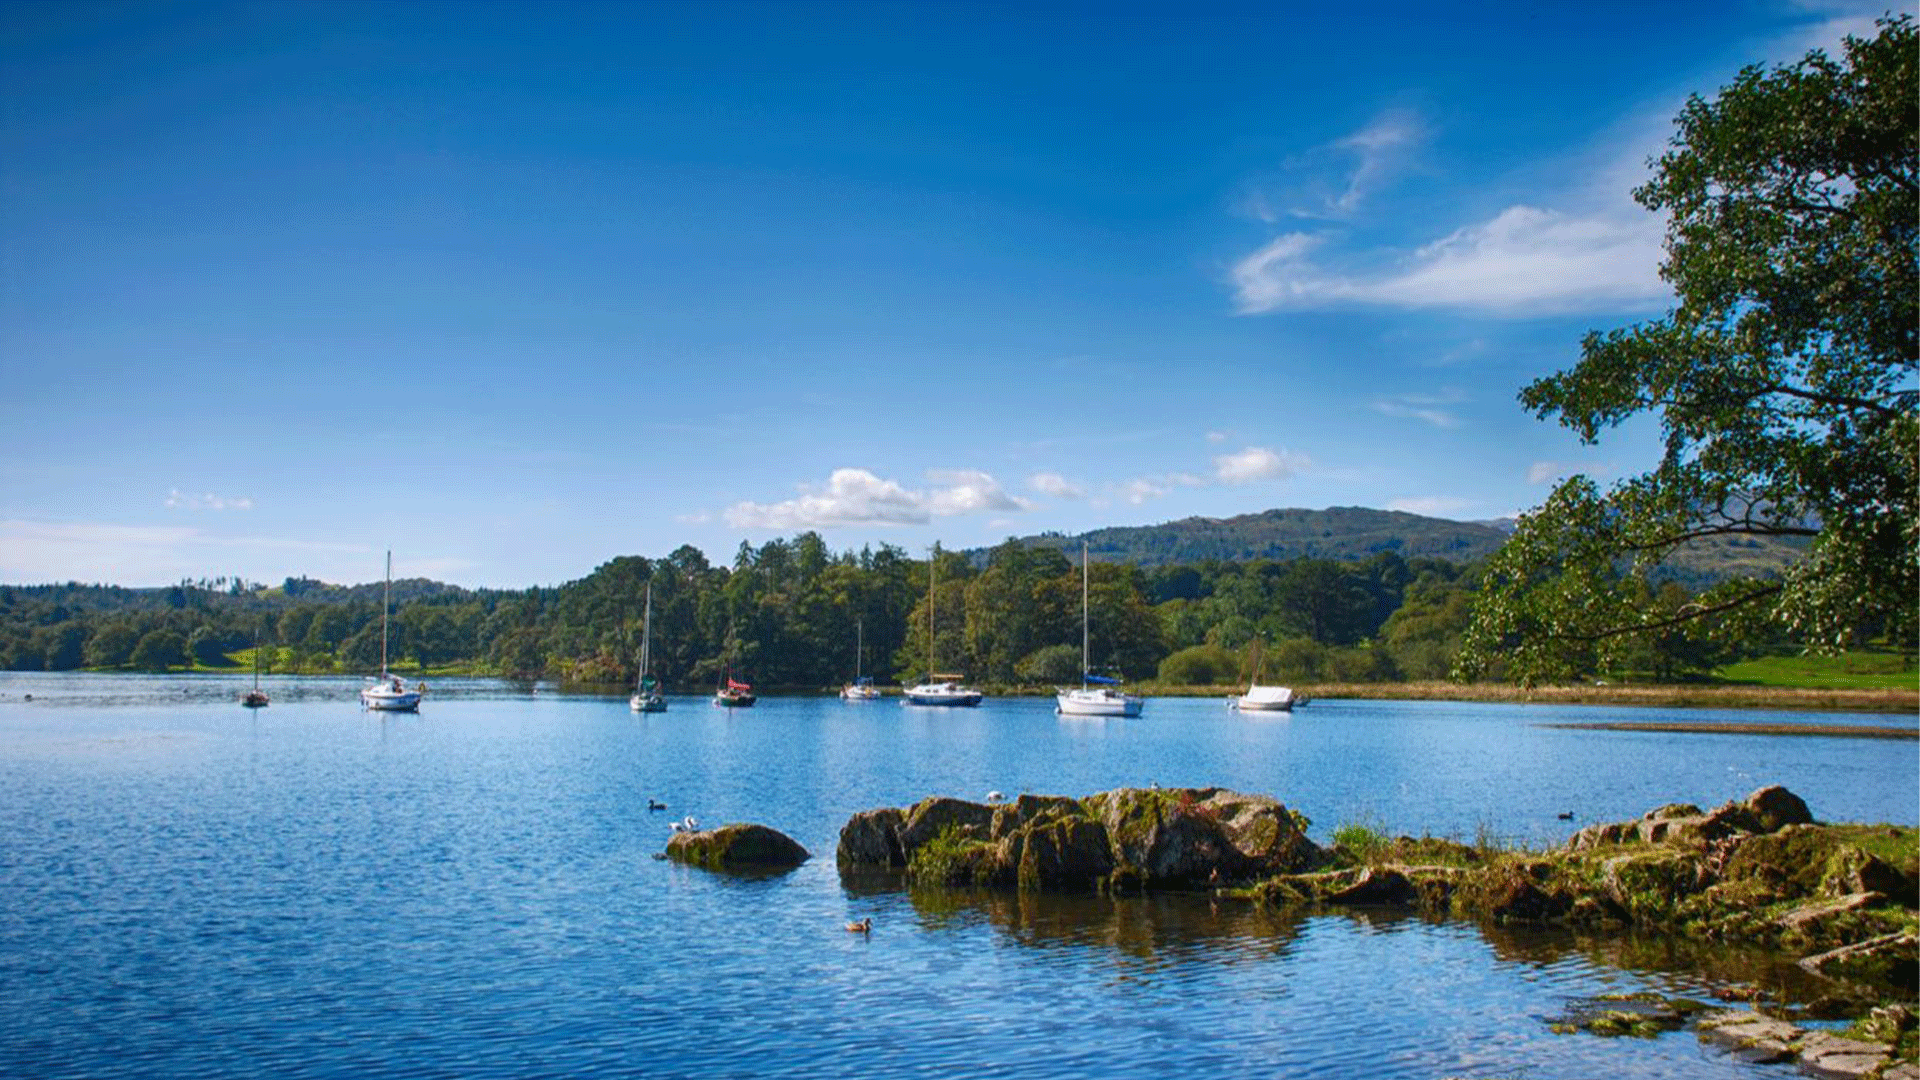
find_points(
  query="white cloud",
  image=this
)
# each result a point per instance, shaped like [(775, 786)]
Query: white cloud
[(1430, 505), (1217, 436), (968, 491), (1052, 483), (859, 497), (1256, 463), (176, 500), (1525, 260)]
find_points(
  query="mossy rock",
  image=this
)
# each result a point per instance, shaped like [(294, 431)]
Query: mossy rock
[(737, 847), (957, 856)]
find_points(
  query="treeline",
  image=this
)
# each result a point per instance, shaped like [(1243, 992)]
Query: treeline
[(784, 614)]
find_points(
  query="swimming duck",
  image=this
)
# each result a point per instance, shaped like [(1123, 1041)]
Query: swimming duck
[(864, 926)]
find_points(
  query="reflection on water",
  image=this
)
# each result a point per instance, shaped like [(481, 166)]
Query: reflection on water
[(193, 889)]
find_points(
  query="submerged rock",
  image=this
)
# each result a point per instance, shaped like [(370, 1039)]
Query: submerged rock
[(744, 847), (1148, 838)]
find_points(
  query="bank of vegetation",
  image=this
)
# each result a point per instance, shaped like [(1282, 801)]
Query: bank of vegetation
[(784, 614)]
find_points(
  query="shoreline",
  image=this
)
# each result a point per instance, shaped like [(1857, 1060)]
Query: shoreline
[(1640, 695)]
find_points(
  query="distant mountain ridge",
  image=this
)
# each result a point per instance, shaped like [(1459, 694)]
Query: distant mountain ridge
[(1354, 534), (1340, 533)]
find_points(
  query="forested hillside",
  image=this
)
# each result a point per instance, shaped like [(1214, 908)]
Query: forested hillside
[(1344, 533), (784, 614)]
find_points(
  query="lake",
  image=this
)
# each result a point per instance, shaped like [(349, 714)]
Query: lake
[(194, 889)]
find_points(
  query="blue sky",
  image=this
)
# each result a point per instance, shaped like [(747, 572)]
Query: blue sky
[(514, 289)]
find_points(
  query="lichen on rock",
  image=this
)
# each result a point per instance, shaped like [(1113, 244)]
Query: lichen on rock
[(1128, 837), (737, 847)]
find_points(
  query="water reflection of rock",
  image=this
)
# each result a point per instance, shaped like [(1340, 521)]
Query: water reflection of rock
[(1720, 968), (1155, 927)]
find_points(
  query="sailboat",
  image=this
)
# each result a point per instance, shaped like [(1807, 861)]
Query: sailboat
[(734, 694), (938, 689), (255, 698), (389, 694), (861, 688), (646, 692), (1098, 695), (1263, 698)]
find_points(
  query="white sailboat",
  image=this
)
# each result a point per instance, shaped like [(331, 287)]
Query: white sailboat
[(389, 694), (646, 690), (1263, 698), (861, 688), (1098, 695), (255, 698), (938, 689)]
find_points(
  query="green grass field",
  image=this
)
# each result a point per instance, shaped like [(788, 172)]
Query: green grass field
[(1859, 670)]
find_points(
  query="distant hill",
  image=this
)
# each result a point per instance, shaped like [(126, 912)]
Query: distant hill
[(1356, 533), (1341, 533)]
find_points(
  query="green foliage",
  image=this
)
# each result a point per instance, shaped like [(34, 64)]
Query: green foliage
[(1783, 381), (1201, 665), (1361, 842), (1055, 664), (159, 650)]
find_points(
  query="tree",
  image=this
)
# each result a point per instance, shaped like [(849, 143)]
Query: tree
[(159, 650), (1783, 380)]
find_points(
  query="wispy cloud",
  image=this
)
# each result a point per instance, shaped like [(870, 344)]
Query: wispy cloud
[(1525, 260), (1334, 180), (1379, 149), (1546, 472), (860, 497), (1052, 483), (1423, 407), (1430, 505), (38, 551), (178, 500)]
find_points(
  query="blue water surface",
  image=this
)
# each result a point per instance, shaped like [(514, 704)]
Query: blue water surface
[(194, 889)]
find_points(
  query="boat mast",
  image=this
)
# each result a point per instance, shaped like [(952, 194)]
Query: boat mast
[(386, 601), (859, 645), (1085, 615), (646, 637), (931, 558)]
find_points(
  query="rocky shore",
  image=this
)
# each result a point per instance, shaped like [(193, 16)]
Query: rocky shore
[(1845, 899)]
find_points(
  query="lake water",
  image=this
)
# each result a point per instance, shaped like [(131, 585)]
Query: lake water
[(195, 889)]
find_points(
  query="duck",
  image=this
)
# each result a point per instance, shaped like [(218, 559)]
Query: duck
[(654, 804), (994, 796), (690, 823), (1566, 815), (864, 926)]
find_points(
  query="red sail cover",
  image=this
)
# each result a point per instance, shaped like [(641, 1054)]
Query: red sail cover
[(733, 685)]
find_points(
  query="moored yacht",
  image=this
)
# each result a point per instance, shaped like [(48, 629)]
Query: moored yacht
[(389, 694), (1098, 695)]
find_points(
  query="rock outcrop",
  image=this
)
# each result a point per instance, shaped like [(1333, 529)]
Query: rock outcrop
[(737, 847), (1757, 870), (1128, 837)]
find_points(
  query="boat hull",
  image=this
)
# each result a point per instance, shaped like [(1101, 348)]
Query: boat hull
[(942, 696), (254, 700), (391, 700), (734, 701), (648, 703), (860, 693), (1097, 703), (1265, 699)]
